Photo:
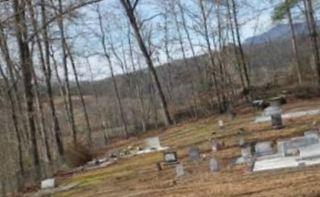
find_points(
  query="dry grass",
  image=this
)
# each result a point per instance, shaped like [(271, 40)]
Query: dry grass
[(138, 176)]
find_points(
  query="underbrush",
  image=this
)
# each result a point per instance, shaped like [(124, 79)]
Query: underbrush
[(78, 155)]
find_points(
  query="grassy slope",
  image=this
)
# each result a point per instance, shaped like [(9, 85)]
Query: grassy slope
[(138, 176)]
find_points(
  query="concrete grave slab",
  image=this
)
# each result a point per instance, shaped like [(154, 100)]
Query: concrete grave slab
[(292, 146), (295, 152), (266, 118)]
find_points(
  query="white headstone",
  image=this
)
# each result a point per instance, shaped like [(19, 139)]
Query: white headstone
[(179, 170), (48, 184), (213, 165), (153, 143), (220, 123)]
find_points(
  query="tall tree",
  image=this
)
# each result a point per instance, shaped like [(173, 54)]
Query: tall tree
[(279, 13), (110, 66), (242, 55), (206, 34), (130, 11), (26, 68), (47, 71), (313, 36), (66, 74), (83, 103)]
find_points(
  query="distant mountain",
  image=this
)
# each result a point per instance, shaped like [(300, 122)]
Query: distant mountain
[(280, 31)]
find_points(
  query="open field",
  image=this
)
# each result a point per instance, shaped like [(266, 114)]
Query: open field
[(138, 176)]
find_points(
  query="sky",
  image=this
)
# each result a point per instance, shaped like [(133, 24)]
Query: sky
[(254, 19)]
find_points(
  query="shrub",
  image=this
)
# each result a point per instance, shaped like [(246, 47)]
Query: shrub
[(78, 155), (305, 92)]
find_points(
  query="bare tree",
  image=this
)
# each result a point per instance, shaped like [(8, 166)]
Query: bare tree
[(130, 11), (242, 55), (66, 75), (206, 35), (26, 68), (114, 81), (47, 71), (313, 36)]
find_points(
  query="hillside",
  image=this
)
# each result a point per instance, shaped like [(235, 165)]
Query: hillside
[(138, 176)]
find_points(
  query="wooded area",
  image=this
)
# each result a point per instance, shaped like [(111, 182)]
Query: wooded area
[(167, 61)]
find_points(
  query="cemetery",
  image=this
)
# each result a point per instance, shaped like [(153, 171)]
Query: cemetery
[(213, 154)]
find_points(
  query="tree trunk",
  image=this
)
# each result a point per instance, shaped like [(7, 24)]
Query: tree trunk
[(314, 37), (133, 21), (13, 83), (46, 69), (114, 81), (230, 17), (242, 56), (83, 103), (66, 76), (15, 122), (43, 129), (211, 57), (26, 68), (294, 45)]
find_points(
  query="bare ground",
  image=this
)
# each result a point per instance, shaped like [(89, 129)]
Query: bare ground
[(138, 176)]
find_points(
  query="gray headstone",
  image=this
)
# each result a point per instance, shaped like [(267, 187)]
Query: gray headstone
[(213, 165), (194, 154), (241, 141), (246, 152), (282, 147), (275, 112), (170, 157), (264, 148), (179, 170)]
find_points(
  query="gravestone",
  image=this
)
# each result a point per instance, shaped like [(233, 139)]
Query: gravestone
[(274, 111), (263, 148), (48, 184), (153, 143), (194, 154), (179, 170), (213, 165), (292, 146), (170, 157), (220, 123), (241, 141), (215, 146), (246, 152), (312, 134)]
